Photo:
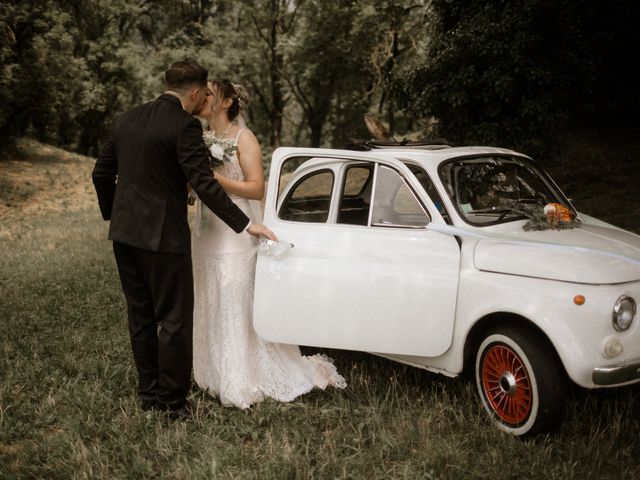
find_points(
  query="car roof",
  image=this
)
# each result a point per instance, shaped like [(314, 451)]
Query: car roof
[(429, 156)]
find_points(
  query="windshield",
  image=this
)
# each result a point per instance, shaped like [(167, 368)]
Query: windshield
[(490, 190)]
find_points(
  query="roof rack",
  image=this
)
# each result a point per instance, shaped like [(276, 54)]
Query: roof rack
[(426, 144)]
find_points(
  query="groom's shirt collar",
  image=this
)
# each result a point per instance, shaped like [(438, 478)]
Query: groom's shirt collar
[(171, 97)]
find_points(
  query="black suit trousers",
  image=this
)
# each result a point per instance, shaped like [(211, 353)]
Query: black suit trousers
[(158, 288)]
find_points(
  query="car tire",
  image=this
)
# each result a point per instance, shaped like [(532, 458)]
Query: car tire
[(520, 381)]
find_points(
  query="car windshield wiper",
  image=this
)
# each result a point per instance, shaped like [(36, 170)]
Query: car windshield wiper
[(503, 211)]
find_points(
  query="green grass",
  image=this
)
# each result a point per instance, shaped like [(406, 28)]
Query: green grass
[(68, 407)]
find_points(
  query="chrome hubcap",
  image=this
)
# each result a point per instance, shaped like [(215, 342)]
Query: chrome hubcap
[(508, 383)]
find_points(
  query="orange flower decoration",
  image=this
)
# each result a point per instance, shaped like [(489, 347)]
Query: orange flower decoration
[(557, 214)]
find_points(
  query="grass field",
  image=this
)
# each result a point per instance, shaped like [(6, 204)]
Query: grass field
[(67, 380)]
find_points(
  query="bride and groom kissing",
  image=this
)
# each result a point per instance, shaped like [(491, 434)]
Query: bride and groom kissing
[(190, 298)]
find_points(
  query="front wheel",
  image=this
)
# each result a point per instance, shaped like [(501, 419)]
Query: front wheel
[(520, 381)]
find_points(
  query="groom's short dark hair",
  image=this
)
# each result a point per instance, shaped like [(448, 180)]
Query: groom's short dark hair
[(185, 74)]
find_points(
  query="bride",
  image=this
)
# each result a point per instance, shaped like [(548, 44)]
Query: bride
[(229, 360)]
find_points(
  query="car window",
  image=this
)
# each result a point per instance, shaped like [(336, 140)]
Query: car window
[(309, 199), (355, 198), (356, 180), (490, 190), (286, 171), (394, 203), (429, 187)]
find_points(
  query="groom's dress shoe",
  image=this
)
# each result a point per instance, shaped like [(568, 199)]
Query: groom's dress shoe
[(183, 412), (148, 405)]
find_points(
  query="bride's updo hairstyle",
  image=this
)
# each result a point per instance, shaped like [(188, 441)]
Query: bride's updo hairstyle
[(237, 93)]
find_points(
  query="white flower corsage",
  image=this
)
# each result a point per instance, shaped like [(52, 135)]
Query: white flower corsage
[(221, 150)]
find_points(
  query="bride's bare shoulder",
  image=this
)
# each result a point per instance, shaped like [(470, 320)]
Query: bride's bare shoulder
[(245, 132)]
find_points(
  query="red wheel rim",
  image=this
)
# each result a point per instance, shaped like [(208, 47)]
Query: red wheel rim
[(506, 384)]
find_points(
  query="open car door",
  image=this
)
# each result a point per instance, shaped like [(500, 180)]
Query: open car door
[(355, 266)]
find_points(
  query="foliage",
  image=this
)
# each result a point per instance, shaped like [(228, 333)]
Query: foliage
[(401, 29), (38, 71), (264, 26), (312, 68), (67, 68), (511, 73), (515, 73), (327, 69)]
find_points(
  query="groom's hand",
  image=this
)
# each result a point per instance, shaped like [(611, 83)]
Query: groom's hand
[(258, 230)]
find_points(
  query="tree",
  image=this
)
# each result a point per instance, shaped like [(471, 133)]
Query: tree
[(516, 73), (314, 64), (40, 73), (273, 19), (68, 68), (400, 40), (341, 63)]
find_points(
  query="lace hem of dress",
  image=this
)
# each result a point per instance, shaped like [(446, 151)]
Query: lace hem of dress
[(324, 375)]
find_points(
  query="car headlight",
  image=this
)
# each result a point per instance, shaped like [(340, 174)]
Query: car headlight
[(623, 312)]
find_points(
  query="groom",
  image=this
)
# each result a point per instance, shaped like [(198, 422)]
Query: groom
[(141, 178)]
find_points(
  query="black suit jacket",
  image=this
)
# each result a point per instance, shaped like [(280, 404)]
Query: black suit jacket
[(142, 172)]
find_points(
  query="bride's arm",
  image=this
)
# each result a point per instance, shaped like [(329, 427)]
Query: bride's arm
[(250, 158)]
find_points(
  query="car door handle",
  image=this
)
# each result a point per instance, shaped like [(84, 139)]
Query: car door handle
[(275, 248), (268, 242)]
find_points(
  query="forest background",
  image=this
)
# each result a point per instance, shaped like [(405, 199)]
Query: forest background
[(510, 73)]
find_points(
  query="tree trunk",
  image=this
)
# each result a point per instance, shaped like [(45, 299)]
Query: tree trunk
[(316, 131), (276, 64)]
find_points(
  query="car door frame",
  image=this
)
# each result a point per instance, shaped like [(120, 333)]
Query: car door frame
[(273, 203)]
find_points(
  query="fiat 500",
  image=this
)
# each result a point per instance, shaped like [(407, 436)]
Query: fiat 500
[(465, 259)]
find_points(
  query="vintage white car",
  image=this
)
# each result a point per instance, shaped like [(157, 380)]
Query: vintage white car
[(447, 259)]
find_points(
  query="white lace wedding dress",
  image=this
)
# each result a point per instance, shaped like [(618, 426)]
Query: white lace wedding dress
[(229, 360)]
